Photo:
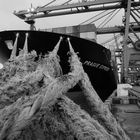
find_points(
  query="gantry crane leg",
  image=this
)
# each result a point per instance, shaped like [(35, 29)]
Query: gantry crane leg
[(125, 57)]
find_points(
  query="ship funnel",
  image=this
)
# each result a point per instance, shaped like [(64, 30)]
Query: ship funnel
[(14, 51), (25, 48)]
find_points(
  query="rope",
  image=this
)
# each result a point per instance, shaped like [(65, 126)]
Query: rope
[(14, 51)]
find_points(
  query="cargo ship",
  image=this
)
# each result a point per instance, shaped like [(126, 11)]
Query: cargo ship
[(95, 58)]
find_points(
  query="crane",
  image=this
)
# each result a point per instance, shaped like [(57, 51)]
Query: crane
[(74, 8), (131, 8)]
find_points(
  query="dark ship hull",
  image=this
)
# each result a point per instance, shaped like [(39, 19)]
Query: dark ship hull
[(95, 58)]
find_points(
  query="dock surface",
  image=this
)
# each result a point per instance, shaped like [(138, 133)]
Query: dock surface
[(128, 114)]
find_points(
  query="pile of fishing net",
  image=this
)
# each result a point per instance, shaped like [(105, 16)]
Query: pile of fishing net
[(33, 105)]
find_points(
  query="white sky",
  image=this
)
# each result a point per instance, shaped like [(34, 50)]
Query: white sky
[(8, 21)]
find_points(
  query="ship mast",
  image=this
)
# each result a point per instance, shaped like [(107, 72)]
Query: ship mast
[(130, 7)]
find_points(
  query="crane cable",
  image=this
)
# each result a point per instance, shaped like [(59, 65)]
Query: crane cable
[(100, 17), (110, 17), (96, 16), (106, 18), (133, 16), (93, 17), (48, 4), (66, 2), (136, 9), (111, 39)]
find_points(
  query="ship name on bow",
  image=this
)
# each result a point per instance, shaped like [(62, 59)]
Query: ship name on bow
[(96, 65)]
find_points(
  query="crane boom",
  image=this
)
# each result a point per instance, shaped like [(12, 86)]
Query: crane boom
[(116, 29), (87, 6), (74, 8)]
